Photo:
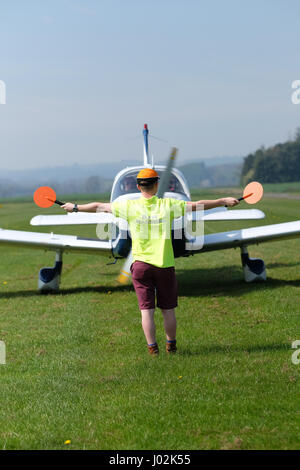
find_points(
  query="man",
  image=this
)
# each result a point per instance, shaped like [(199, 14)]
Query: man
[(129, 184), (153, 273)]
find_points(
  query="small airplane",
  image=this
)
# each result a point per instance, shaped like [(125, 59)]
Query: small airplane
[(117, 243)]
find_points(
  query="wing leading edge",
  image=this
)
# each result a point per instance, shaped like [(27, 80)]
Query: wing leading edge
[(51, 241), (244, 237), (73, 219), (210, 242)]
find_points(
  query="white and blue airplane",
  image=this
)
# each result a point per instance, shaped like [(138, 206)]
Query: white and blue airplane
[(172, 184)]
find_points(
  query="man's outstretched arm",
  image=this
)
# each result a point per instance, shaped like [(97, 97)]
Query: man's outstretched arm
[(212, 203), (90, 207)]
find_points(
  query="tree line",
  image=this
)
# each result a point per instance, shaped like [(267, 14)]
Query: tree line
[(277, 164)]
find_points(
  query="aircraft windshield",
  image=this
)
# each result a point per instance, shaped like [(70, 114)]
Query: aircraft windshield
[(127, 184)]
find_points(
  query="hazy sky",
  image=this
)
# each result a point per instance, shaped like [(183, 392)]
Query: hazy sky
[(82, 77)]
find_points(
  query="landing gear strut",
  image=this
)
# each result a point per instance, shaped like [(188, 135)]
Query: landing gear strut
[(49, 278), (254, 268)]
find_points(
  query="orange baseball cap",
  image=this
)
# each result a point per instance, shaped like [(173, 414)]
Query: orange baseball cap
[(147, 173)]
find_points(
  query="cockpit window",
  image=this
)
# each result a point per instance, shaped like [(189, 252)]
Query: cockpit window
[(127, 184)]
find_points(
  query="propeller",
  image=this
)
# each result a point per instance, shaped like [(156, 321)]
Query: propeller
[(165, 179), (124, 275)]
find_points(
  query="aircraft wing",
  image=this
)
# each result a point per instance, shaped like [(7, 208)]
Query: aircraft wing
[(224, 214), (51, 241), (73, 218), (84, 218), (219, 213), (244, 237)]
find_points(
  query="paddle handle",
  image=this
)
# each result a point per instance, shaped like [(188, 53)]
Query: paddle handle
[(59, 202), (243, 197)]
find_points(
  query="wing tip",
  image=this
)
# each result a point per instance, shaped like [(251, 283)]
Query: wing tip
[(34, 220)]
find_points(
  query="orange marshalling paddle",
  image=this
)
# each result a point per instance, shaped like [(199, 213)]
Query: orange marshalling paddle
[(253, 192), (46, 197)]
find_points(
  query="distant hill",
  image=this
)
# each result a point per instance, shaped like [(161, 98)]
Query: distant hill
[(215, 161), (98, 178), (62, 173), (199, 175), (79, 179), (92, 184)]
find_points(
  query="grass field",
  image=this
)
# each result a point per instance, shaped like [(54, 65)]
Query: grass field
[(77, 367)]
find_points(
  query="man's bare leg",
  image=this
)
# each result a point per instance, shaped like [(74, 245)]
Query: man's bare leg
[(149, 325), (170, 323)]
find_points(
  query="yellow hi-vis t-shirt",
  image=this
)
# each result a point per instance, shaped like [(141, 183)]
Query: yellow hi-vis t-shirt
[(150, 224)]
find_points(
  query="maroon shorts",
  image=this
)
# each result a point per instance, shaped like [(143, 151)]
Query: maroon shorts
[(148, 280)]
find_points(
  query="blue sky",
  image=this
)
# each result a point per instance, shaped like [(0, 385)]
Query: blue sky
[(82, 77)]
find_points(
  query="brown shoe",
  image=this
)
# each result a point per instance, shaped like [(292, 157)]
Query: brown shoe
[(171, 347), (153, 350)]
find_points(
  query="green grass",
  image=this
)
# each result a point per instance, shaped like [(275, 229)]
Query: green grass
[(278, 188), (77, 366), (283, 187)]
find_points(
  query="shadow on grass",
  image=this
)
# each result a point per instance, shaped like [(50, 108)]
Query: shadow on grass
[(226, 281), (282, 265), (227, 349), (70, 291)]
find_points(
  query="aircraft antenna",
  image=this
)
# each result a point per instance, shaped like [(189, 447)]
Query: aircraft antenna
[(146, 150)]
